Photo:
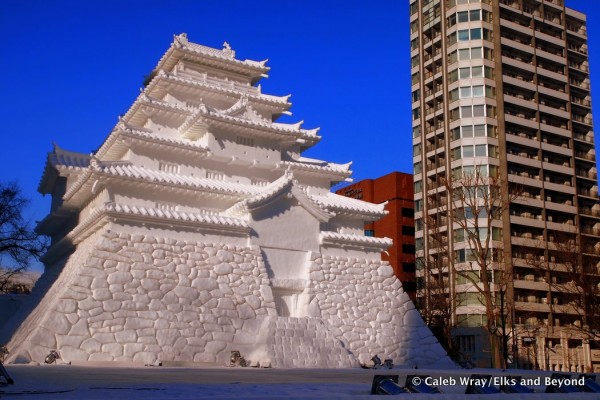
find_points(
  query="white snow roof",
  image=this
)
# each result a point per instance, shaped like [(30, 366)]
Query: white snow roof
[(61, 160), (335, 202), (328, 237), (80, 189)]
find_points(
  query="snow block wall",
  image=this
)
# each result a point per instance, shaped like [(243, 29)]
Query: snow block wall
[(147, 299)]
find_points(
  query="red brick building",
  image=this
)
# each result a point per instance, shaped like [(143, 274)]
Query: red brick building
[(397, 189)]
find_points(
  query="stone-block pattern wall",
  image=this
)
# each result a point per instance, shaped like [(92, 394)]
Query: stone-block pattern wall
[(363, 303), (307, 343), (146, 299)]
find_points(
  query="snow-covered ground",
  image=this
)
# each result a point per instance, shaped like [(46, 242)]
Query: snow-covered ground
[(133, 383)]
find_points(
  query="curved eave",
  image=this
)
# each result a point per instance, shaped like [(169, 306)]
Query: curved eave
[(279, 104), (60, 162), (136, 114), (346, 240), (332, 173), (351, 207), (259, 129), (121, 139), (82, 190)]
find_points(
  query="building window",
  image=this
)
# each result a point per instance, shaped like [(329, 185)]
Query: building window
[(168, 167), (369, 232), (408, 267), (469, 34), (214, 175), (244, 141), (408, 248), (467, 92), (408, 212), (474, 53), (408, 230)]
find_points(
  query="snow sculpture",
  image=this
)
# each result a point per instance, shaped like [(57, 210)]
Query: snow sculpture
[(198, 228)]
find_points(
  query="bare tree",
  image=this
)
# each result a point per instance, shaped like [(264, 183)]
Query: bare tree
[(435, 301), (478, 202), (19, 244), (573, 275)]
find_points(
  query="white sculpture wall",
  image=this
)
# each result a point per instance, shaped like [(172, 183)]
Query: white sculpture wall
[(151, 299)]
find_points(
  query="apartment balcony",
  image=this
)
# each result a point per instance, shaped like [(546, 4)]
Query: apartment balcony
[(590, 211), (518, 61), (530, 284), (551, 125), (584, 137), (563, 168), (586, 174), (588, 192), (586, 155), (548, 71), (519, 81), (579, 30), (516, 42), (581, 119), (520, 100), (524, 158), (552, 87), (527, 221), (530, 306), (581, 84), (582, 103), (520, 118)]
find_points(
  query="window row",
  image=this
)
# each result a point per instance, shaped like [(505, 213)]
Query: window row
[(471, 53), (464, 16), (471, 111), (469, 131), (460, 235), (468, 255), (468, 92), (467, 171), (477, 150), (464, 35), (471, 72)]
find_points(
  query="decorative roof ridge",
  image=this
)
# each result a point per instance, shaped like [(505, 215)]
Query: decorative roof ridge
[(149, 135), (290, 130), (193, 217), (259, 96), (242, 107), (181, 42), (271, 191), (131, 171), (283, 184), (62, 160), (329, 237), (332, 201), (227, 53), (326, 166), (61, 156), (202, 110)]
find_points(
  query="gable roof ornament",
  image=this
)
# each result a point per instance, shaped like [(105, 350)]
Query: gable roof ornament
[(285, 185)]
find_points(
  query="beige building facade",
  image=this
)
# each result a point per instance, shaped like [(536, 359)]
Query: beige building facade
[(502, 88)]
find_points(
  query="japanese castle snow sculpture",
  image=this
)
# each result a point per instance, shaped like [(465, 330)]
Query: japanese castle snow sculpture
[(198, 228)]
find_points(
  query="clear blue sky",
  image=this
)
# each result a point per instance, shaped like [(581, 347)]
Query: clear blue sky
[(69, 68)]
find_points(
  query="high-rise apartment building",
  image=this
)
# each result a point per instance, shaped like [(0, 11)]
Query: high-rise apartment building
[(501, 89)]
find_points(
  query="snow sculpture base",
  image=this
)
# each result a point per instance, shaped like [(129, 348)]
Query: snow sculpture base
[(149, 299)]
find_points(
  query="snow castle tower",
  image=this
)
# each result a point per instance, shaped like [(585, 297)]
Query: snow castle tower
[(198, 228)]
